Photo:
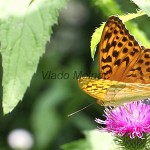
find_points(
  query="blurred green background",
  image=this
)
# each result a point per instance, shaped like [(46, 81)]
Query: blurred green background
[(47, 102)]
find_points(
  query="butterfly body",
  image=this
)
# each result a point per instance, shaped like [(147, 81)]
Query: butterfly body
[(124, 67)]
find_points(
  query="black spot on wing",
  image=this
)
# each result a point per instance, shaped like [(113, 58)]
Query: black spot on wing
[(148, 69), (140, 61), (105, 50), (120, 44), (124, 39), (117, 37), (147, 50), (132, 75), (147, 63), (115, 53), (115, 31), (126, 60), (138, 69), (125, 50), (134, 52), (108, 59), (108, 71), (121, 32), (113, 43), (117, 62), (146, 56), (136, 43), (107, 35), (131, 38), (106, 66), (130, 44)]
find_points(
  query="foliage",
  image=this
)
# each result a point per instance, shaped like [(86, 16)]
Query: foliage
[(94, 140), (24, 33)]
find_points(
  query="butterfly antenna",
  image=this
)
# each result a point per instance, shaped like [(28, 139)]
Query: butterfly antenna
[(81, 109)]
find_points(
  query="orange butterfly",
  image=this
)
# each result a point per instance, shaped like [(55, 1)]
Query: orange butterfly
[(124, 66)]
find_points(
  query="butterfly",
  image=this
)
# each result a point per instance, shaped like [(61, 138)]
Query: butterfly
[(124, 66)]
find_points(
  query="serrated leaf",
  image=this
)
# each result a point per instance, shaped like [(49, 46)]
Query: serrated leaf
[(98, 32), (143, 5), (25, 27)]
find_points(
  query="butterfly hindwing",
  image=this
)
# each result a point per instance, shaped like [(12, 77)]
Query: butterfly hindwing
[(113, 93), (104, 90), (140, 72)]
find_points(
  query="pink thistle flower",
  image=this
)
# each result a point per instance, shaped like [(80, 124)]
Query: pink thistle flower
[(131, 120)]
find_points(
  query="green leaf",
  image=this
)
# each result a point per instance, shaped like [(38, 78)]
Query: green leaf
[(104, 5), (98, 32), (46, 120), (143, 5), (94, 140), (77, 145), (25, 27)]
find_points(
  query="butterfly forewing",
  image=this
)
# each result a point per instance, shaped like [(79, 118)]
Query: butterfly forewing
[(119, 51)]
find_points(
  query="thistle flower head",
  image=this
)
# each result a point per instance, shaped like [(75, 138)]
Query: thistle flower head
[(131, 120)]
